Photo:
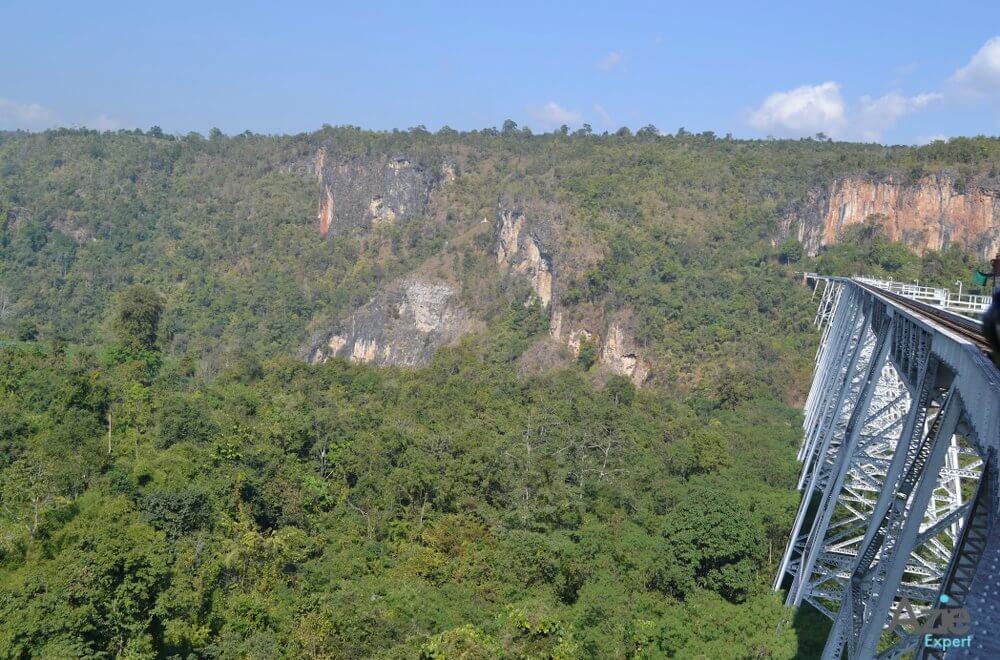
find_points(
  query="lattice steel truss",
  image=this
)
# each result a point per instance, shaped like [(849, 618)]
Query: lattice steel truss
[(896, 497)]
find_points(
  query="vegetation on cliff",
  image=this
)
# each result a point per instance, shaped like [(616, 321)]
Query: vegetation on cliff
[(225, 228), (340, 510), (176, 481)]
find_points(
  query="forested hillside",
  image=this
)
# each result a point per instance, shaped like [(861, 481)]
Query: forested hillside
[(665, 235), (206, 449)]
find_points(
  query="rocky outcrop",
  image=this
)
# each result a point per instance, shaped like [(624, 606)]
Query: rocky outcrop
[(373, 190), (620, 356), (67, 223), (520, 250), (404, 325), (555, 324), (618, 351), (407, 323), (576, 339), (926, 214), (74, 228)]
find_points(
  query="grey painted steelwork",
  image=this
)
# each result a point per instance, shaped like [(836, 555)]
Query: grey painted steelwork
[(972, 306), (899, 478)]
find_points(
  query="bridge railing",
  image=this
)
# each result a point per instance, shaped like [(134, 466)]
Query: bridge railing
[(966, 304), (899, 505)]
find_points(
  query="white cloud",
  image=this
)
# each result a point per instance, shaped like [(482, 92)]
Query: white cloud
[(982, 74), (881, 114), (553, 114), (927, 139), (810, 109), (611, 61), (106, 123), (802, 111), (36, 117), (604, 115), (24, 115)]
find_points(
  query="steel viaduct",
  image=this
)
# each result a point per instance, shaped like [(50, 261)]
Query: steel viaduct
[(899, 475)]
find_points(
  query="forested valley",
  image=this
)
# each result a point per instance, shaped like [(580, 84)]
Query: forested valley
[(182, 477)]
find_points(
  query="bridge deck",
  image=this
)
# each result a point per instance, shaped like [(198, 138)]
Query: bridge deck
[(899, 471), (967, 328)]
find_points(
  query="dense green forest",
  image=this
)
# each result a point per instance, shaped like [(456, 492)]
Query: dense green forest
[(225, 227), (342, 511), (176, 481)]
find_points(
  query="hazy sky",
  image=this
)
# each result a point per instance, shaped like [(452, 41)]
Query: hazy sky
[(897, 72)]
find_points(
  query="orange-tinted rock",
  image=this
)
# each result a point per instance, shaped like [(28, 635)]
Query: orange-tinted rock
[(365, 191), (325, 211), (926, 214)]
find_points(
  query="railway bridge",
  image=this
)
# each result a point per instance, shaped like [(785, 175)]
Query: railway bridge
[(899, 478)]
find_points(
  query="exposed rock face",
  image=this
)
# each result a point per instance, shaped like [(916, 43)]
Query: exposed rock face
[(929, 213), (520, 248), (555, 324), (372, 190), (76, 230), (576, 340), (522, 251), (407, 323), (509, 226), (618, 351), (68, 223), (402, 326), (620, 356)]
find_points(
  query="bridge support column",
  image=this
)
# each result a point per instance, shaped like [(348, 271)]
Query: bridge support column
[(892, 536), (828, 358), (839, 373), (839, 366), (901, 428), (840, 463)]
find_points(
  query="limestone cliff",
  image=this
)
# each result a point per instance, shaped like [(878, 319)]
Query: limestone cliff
[(406, 323), (620, 356), (524, 246), (372, 190), (520, 249), (926, 214), (403, 325), (617, 348)]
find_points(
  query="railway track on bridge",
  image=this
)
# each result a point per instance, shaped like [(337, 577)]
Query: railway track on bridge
[(967, 328), (898, 481)]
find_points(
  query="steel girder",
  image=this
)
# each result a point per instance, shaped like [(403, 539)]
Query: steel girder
[(834, 464), (894, 498), (891, 539), (825, 421), (838, 387)]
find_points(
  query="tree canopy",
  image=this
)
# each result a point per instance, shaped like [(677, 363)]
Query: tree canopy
[(175, 481)]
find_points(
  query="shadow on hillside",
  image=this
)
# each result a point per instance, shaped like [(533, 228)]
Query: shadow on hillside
[(811, 628)]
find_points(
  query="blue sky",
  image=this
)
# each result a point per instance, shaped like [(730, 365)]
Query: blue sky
[(895, 72)]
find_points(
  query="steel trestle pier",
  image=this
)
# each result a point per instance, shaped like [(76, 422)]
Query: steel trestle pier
[(899, 475)]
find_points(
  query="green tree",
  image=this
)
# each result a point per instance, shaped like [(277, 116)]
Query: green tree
[(137, 318), (703, 452), (712, 541), (790, 251), (588, 354), (96, 593), (27, 493), (27, 330)]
